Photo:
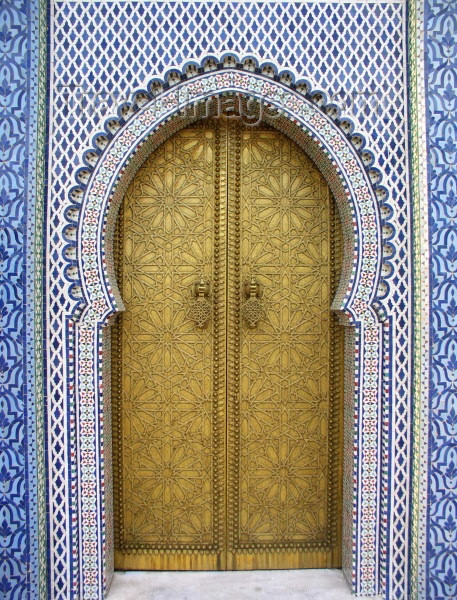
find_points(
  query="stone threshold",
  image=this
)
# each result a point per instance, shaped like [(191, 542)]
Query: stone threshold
[(306, 584)]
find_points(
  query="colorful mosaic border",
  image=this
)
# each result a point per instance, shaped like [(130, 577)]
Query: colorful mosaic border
[(22, 133), (421, 298)]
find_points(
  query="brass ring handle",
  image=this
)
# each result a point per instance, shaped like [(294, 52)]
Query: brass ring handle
[(200, 310), (252, 308)]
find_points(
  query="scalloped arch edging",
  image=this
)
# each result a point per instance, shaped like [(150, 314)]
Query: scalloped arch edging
[(163, 93)]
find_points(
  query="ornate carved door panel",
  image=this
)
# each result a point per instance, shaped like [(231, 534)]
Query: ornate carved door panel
[(227, 443), (169, 374)]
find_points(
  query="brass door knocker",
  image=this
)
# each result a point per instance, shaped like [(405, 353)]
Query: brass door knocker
[(252, 309), (200, 311)]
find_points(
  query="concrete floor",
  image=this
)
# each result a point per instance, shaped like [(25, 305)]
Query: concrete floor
[(309, 584)]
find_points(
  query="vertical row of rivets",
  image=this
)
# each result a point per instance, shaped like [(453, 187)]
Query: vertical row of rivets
[(335, 399), (116, 378), (218, 436), (234, 320)]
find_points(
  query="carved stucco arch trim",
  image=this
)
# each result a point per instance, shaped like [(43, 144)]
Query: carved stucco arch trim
[(345, 172), (331, 150)]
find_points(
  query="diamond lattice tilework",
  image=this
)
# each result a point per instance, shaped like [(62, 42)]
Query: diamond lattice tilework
[(353, 51)]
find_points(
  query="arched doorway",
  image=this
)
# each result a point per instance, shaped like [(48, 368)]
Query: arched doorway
[(227, 360)]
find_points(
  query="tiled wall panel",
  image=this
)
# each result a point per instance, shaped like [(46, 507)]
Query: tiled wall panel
[(355, 51), (22, 80), (441, 127)]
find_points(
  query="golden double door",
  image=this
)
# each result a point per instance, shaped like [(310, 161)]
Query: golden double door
[(227, 359)]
